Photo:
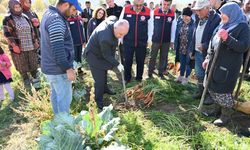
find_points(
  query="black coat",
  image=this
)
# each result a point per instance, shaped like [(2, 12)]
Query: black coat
[(116, 11), (87, 15), (229, 61), (101, 48)]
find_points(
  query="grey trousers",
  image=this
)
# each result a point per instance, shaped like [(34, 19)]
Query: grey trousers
[(164, 48)]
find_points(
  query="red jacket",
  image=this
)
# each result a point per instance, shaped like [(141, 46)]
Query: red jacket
[(5, 69)]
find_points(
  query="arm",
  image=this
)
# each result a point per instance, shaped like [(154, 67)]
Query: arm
[(7, 61), (8, 30), (106, 50), (56, 31), (89, 28), (150, 27), (240, 44), (173, 30)]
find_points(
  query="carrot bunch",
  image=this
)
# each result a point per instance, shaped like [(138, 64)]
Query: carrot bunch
[(137, 93)]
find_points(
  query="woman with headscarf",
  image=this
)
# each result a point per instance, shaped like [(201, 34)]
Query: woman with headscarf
[(22, 42), (98, 16), (26, 5), (231, 39)]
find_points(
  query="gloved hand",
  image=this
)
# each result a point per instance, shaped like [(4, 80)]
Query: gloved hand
[(120, 67)]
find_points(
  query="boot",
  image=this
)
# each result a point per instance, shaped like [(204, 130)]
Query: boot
[(213, 110), (225, 117), (198, 94)]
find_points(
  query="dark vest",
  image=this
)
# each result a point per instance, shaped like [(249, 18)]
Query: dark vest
[(138, 30), (162, 26)]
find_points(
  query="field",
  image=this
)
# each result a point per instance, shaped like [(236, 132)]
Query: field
[(172, 122)]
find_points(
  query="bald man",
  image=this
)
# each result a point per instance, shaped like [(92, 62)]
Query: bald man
[(100, 53)]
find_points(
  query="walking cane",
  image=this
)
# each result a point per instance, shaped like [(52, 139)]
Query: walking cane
[(122, 73), (237, 93), (209, 77)]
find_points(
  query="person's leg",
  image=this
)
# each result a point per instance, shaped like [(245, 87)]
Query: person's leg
[(200, 73), (226, 101), (188, 68), (10, 91), (183, 64), (61, 97), (1, 92), (163, 63), (129, 54), (121, 47), (100, 79), (140, 54), (153, 56)]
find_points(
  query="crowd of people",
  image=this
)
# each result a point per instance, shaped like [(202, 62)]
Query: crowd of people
[(67, 33)]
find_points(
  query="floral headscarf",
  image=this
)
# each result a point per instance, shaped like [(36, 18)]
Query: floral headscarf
[(12, 4)]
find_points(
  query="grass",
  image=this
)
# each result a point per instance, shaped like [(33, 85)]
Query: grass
[(172, 123)]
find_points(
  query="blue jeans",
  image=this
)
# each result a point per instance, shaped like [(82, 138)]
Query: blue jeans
[(199, 71), (185, 67), (61, 92)]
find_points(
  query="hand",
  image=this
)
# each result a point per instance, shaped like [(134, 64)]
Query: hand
[(85, 19), (171, 45), (205, 63), (36, 45), (71, 74), (35, 22), (191, 56), (223, 34), (3, 64), (120, 67), (149, 44), (200, 47), (16, 49)]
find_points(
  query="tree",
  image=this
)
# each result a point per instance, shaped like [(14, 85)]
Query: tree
[(3, 9), (39, 6)]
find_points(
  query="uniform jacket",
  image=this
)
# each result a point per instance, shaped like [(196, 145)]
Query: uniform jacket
[(76, 28), (140, 26), (163, 26)]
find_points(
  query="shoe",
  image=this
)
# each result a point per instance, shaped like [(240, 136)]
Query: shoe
[(109, 91), (179, 79), (162, 76), (184, 81), (150, 76), (225, 117), (208, 100), (213, 110), (36, 83)]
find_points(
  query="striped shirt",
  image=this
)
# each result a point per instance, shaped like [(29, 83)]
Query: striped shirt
[(57, 50)]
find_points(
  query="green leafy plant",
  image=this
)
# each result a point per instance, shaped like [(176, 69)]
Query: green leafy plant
[(85, 131)]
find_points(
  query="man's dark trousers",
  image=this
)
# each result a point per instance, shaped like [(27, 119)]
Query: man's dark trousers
[(163, 57), (140, 54), (100, 77), (78, 53)]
